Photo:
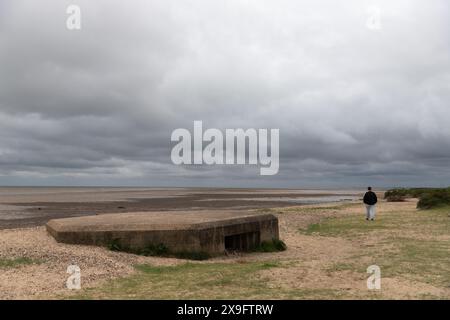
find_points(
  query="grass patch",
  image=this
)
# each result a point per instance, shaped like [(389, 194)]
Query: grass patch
[(307, 208), (271, 246), (320, 208), (194, 255), (412, 245), (16, 262), (189, 281), (424, 260), (346, 226), (154, 250)]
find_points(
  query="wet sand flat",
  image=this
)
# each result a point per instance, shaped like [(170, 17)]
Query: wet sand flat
[(30, 207)]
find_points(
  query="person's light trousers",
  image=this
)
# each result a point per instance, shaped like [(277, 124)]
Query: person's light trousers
[(370, 211)]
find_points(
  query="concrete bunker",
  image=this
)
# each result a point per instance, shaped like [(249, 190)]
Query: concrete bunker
[(212, 232)]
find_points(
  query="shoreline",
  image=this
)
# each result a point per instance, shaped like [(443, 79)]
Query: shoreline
[(18, 210)]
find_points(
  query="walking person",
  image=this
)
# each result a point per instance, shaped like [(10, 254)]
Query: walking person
[(370, 200)]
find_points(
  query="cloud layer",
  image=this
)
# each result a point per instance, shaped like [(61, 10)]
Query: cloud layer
[(97, 106)]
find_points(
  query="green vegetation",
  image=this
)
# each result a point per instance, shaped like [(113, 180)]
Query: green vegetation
[(189, 281), (155, 250), (343, 227), (429, 198), (16, 262), (309, 208), (428, 260), (271, 246), (115, 245), (409, 192), (191, 255), (159, 250), (434, 199)]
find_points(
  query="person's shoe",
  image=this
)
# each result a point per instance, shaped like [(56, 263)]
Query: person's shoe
[(367, 219), (371, 219)]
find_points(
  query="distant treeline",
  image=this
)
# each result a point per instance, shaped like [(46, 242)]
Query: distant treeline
[(428, 197)]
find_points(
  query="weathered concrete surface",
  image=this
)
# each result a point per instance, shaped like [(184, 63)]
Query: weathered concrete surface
[(179, 231)]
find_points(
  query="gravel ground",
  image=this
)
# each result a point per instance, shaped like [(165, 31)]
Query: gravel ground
[(47, 276)]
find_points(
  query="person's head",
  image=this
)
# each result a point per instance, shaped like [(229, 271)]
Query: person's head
[(369, 188)]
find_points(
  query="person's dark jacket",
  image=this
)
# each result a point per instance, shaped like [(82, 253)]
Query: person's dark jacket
[(370, 198)]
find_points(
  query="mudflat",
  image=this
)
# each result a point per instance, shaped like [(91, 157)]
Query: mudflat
[(30, 207)]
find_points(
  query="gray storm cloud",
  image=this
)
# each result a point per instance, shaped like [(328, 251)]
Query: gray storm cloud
[(97, 106)]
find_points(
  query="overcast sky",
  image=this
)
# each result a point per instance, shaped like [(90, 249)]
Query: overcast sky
[(355, 105)]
